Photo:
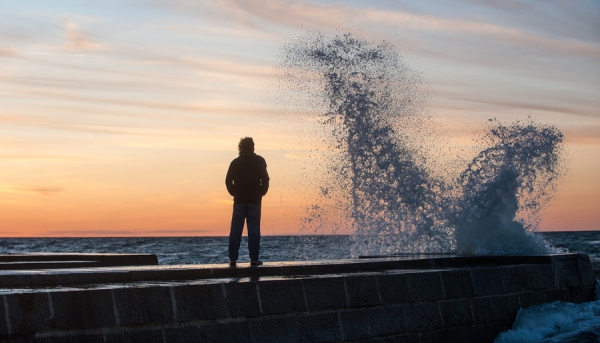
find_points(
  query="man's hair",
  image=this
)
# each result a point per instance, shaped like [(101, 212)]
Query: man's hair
[(246, 145)]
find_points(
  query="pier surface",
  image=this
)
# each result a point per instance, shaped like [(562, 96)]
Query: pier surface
[(397, 299)]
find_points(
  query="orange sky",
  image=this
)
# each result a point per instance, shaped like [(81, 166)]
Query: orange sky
[(121, 119)]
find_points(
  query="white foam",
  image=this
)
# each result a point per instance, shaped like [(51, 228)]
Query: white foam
[(556, 322)]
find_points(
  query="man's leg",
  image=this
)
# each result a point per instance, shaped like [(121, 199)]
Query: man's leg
[(235, 233), (253, 223)]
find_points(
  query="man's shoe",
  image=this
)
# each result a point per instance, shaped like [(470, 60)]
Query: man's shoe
[(232, 264), (256, 263)]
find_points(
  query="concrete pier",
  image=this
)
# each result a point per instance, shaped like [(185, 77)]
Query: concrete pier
[(73, 260), (399, 299)]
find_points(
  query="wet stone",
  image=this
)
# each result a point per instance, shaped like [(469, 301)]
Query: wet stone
[(354, 324), (362, 291), (83, 309), (320, 328), (516, 278), (275, 330), (482, 310), (487, 281), (457, 284), (393, 288), (91, 338), (28, 312), (282, 296), (387, 320), (423, 317), (504, 307), (531, 298), (143, 305), (241, 299), (137, 336), (542, 276), (199, 302), (425, 286), (456, 313), (324, 293), (558, 294)]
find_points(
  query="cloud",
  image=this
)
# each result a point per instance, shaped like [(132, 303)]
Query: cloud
[(36, 190), (301, 14), (89, 233), (9, 52), (41, 157), (76, 39)]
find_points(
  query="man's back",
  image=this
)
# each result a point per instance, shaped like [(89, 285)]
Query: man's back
[(247, 179)]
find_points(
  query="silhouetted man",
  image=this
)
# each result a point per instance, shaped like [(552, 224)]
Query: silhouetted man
[(247, 181)]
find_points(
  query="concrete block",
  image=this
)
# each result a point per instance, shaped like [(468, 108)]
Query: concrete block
[(425, 286), (487, 281), (423, 317), (387, 320), (281, 296), (527, 299), (516, 278), (362, 290), (144, 305), (393, 288), (581, 294), (557, 294), (586, 273), (275, 330), (199, 302), (320, 328), (3, 327), (457, 284), (91, 338), (456, 313), (241, 299), (482, 310), (542, 276), (380, 340), (86, 309), (28, 312), (324, 293), (463, 334), (504, 307), (489, 332), (436, 336), (139, 336), (354, 324), (212, 332), (408, 338), (568, 273)]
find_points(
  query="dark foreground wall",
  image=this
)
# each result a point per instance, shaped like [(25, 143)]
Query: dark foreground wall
[(429, 299)]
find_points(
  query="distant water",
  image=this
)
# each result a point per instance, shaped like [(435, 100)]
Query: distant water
[(205, 250), (188, 250)]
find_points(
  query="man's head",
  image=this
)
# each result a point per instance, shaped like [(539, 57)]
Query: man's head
[(246, 145)]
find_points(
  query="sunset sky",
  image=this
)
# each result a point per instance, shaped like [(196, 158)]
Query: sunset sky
[(120, 118)]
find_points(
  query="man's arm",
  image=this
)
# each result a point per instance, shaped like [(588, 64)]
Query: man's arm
[(264, 178), (229, 182)]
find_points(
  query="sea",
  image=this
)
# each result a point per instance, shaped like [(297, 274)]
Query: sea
[(209, 250)]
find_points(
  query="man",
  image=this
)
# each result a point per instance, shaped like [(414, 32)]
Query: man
[(247, 181)]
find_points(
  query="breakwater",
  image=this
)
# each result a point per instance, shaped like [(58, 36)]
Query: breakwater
[(424, 298)]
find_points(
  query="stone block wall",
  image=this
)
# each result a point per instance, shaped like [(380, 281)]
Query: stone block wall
[(455, 304)]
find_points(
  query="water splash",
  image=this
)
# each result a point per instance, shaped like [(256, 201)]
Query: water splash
[(516, 174), (372, 102)]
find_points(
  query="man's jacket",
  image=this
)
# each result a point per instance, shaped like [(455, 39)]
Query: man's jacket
[(247, 179)]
